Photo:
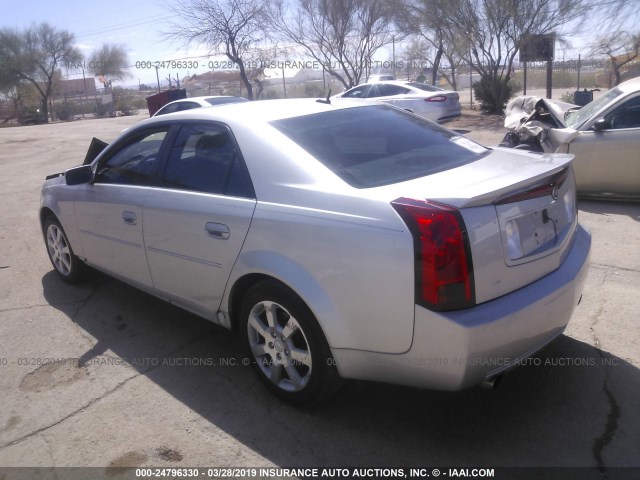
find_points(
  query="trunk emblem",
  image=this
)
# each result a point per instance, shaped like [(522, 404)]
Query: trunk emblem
[(555, 193)]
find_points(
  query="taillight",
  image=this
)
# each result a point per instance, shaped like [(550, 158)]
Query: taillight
[(437, 98), (443, 264)]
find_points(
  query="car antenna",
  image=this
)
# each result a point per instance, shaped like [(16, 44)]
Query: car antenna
[(326, 100)]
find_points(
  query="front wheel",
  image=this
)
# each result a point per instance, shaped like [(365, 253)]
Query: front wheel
[(286, 346), (65, 263)]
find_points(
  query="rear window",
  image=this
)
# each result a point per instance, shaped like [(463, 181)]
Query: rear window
[(425, 87), (379, 145), (224, 100)]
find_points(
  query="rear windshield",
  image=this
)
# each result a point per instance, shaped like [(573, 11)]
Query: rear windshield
[(223, 100), (425, 87), (379, 145)]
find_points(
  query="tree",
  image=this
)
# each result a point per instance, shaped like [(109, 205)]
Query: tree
[(9, 91), (428, 19), (620, 48), (109, 62), (234, 27), (35, 55), (496, 28), (342, 35), (417, 54)]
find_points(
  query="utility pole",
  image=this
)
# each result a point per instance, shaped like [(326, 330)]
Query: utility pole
[(284, 85), (393, 52), (84, 81), (470, 78), (158, 78)]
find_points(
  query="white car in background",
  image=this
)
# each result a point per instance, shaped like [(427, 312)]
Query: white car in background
[(340, 241), (198, 102), (428, 101)]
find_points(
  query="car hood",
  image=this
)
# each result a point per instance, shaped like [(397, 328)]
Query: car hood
[(525, 114), (521, 108)]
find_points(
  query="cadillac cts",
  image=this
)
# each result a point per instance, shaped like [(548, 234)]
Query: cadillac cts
[(339, 241)]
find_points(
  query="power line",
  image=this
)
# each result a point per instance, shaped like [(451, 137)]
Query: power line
[(124, 25)]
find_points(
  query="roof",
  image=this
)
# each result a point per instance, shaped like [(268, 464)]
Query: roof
[(260, 111), (630, 85)]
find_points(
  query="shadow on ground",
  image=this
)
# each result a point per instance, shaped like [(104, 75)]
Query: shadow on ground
[(562, 409), (629, 209)]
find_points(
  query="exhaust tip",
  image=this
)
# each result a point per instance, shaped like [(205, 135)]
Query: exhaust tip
[(492, 383)]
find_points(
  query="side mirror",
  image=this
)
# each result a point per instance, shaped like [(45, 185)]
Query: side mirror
[(78, 175), (601, 124)]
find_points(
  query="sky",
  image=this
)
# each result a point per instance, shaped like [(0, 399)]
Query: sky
[(138, 25), (135, 24)]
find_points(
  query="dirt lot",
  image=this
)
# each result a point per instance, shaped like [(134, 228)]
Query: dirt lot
[(103, 375)]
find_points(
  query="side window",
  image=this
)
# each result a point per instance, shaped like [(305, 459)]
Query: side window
[(135, 162), (626, 115), (204, 159), (361, 91), (386, 90), (174, 107), (188, 105)]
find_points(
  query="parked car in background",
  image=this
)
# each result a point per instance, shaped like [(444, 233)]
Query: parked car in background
[(430, 102), (604, 136), (339, 240), (197, 102)]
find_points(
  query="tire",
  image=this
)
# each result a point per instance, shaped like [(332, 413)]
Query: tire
[(65, 263), (286, 346)]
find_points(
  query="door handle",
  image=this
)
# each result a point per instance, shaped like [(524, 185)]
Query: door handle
[(129, 218), (217, 230)]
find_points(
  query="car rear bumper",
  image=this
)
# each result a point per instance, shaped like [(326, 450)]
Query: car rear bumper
[(455, 350)]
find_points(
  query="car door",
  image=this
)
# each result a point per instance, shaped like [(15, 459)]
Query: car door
[(196, 220), (608, 161), (109, 210)]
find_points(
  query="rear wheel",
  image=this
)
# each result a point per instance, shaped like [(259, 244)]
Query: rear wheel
[(64, 261), (286, 346)]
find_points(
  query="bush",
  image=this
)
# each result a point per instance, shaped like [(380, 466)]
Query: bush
[(126, 105), (494, 93), (313, 90), (64, 111), (270, 94), (102, 109)]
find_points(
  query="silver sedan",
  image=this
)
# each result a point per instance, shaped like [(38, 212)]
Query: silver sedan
[(428, 101), (339, 241)]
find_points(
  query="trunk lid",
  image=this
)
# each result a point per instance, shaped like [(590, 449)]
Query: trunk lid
[(519, 212), (481, 182)]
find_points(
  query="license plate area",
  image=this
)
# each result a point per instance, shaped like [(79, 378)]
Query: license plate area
[(535, 228)]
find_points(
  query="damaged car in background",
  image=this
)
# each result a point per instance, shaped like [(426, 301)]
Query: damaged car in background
[(604, 136)]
